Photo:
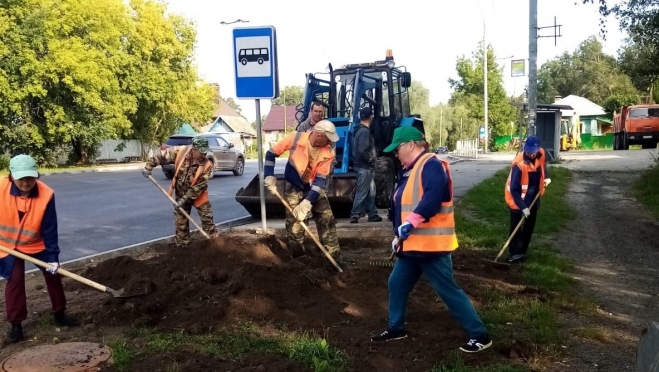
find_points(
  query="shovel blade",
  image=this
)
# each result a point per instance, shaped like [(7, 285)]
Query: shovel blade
[(120, 293)]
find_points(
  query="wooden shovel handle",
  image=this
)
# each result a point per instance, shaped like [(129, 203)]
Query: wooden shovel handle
[(315, 239), (519, 225), (61, 271), (180, 209)]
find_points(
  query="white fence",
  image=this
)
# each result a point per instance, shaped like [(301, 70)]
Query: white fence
[(130, 150), (468, 148)]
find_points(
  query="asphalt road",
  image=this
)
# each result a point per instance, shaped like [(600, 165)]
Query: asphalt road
[(102, 211)]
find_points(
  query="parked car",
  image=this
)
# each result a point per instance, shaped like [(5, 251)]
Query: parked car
[(223, 154), (442, 150)]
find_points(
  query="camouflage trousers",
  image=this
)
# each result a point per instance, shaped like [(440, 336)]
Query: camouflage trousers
[(323, 217), (182, 224)]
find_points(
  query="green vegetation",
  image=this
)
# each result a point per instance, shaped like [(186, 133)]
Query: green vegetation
[(232, 344), (645, 187)]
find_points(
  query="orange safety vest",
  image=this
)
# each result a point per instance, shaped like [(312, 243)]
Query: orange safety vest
[(525, 168), (438, 234), (520, 156), (298, 157), (179, 160), (23, 235)]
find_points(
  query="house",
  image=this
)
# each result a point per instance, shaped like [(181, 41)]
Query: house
[(231, 124), (280, 120), (592, 118)]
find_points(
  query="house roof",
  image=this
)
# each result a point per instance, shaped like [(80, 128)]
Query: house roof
[(224, 109), (275, 119), (238, 124), (543, 106), (582, 106)]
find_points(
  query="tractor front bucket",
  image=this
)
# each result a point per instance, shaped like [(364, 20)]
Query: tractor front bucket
[(340, 193)]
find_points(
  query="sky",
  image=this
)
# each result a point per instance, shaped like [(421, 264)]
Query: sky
[(426, 37)]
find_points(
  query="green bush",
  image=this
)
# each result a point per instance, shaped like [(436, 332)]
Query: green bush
[(4, 162)]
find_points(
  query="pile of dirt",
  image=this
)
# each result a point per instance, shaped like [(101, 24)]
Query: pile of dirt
[(216, 283)]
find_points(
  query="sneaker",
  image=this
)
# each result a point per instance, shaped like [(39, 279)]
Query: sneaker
[(376, 218), (477, 344), (15, 334), (65, 321), (520, 258), (354, 219), (389, 336)]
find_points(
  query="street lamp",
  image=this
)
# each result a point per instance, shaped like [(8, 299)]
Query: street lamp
[(236, 21)]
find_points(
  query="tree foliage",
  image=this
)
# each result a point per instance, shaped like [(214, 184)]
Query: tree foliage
[(74, 73), (468, 93), (289, 96), (587, 72)]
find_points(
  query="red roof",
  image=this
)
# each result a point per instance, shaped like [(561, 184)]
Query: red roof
[(275, 119)]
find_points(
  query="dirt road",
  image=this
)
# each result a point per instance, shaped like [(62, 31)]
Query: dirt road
[(613, 245)]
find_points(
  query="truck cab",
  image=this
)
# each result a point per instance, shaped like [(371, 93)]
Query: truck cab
[(636, 125)]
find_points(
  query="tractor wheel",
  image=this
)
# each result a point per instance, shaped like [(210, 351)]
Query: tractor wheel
[(384, 181)]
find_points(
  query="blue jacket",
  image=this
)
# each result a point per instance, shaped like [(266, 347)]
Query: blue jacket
[(435, 191), (48, 234), (535, 183)]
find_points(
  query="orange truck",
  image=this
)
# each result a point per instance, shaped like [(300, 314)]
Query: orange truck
[(636, 125)]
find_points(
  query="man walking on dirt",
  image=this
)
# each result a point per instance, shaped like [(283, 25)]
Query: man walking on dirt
[(191, 175), (306, 174), (364, 155), (528, 177), (28, 224)]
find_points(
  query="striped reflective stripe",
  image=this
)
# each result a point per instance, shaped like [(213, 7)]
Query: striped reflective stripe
[(316, 188), (293, 147), (416, 199), (26, 236), (269, 163), (442, 209)]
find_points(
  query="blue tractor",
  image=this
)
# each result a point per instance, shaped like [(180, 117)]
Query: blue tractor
[(381, 85)]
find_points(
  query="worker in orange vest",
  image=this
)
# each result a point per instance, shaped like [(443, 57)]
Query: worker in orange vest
[(528, 177), (309, 163), (191, 175), (28, 224), (424, 229)]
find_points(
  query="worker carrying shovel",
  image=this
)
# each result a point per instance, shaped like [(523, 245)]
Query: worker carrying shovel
[(28, 224), (309, 162), (528, 177), (191, 175)]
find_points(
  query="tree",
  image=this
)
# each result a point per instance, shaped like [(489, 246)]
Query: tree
[(233, 104), (289, 96), (469, 88), (587, 72), (615, 102)]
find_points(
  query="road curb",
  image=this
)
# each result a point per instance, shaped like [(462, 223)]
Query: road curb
[(98, 170), (137, 247)]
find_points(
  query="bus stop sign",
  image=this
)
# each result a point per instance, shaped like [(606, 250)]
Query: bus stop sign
[(255, 62)]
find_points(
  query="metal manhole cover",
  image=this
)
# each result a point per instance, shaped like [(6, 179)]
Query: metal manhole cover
[(66, 357)]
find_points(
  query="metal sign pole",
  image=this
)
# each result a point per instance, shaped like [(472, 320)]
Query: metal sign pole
[(259, 151)]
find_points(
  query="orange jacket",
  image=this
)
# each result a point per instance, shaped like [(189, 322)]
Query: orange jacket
[(438, 233), (525, 168), (180, 159), (23, 235), (298, 160)]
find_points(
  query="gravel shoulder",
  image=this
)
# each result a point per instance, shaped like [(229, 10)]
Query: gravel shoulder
[(612, 243)]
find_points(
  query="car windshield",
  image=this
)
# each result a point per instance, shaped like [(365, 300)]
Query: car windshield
[(178, 141)]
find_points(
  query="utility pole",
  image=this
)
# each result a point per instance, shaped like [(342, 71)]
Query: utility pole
[(485, 113), (285, 116), (461, 132), (533, 65), (441, 117)]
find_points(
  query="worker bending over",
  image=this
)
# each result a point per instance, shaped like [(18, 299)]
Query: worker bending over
[(28, 224), (191, 175), (528, 177), (424, 229), (306, 173)]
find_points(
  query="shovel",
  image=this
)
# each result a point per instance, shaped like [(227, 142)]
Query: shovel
[(180, 209), (100, 287), (315, 239), (510, 238)]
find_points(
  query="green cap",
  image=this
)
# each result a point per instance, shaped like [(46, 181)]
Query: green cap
[(201, 144), (22, 166), (402, 135)]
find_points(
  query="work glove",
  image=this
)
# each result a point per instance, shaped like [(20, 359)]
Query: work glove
[(270, 183), (179, 204), (405, 230), (526, 212), (301, 210), (394, 245), (53, 270), (547, 181), (146, 173)]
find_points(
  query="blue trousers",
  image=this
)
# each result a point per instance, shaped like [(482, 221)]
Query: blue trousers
[(439, 271), (364, 203)]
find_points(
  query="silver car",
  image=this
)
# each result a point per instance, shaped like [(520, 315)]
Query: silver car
[(223, 154)]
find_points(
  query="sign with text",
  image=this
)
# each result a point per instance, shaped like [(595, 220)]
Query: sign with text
[(517, 67)]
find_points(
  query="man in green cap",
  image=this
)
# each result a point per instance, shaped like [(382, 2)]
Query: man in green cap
[(192, 170), (28, 224)]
